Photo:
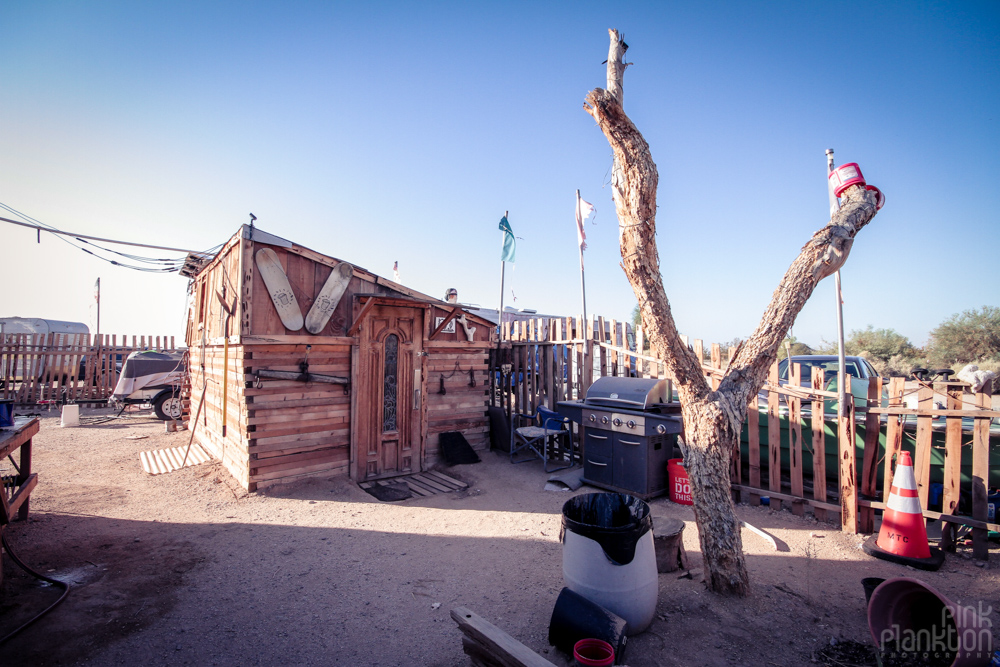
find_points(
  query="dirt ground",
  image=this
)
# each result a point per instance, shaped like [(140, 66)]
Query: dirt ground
[(187, 569)]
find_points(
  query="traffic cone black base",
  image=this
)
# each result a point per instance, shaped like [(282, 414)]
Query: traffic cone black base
[(931, 564)]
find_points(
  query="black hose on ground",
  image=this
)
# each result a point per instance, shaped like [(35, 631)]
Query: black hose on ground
[(36, 575)]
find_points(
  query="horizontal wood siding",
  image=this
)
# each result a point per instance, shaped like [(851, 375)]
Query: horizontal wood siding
[(462, 407), (296, 429), (233, 450)]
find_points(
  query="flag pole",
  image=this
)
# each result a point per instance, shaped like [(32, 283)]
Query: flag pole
[(583, 285), (97, 295), (500, 312), (841, 359)]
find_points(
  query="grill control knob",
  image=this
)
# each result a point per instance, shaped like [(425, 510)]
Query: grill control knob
[(617, 421), (593, 418), (661, 429), (630, 423), (604, 419)]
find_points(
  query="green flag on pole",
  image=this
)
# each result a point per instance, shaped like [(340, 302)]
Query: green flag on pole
[(507, 254)]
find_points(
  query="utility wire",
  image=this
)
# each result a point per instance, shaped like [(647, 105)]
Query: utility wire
[(153, 265), (53, 230)]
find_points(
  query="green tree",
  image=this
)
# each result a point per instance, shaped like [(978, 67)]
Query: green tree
[(970, 336)]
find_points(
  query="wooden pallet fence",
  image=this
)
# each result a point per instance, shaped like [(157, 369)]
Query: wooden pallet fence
[(67, 368), (790, 425)]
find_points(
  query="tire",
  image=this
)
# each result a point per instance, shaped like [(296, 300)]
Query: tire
[(167, 406)]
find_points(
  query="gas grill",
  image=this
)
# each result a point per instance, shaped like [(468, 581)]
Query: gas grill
[(630, 430)]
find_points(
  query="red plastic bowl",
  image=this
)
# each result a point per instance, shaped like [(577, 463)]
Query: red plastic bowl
[(594, 653)]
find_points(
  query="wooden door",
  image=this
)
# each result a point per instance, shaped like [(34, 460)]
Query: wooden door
[(389, 436)]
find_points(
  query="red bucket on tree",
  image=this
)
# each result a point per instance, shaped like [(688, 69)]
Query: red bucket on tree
[(680, 485), (845, 176)]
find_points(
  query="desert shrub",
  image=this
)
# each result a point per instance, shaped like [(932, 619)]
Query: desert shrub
[(967, 337), (890, 352), (898, 364), (797, 347), (879, 344)]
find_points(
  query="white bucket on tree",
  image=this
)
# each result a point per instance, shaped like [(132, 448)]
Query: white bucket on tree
[(609, 556)]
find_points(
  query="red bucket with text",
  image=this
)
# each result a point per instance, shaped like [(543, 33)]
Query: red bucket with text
[(680, 485)]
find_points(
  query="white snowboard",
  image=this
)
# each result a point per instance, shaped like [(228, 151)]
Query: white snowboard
[(277, 286), (328, 298)]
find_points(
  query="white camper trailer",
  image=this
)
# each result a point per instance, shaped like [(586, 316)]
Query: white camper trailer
[(43, 368)]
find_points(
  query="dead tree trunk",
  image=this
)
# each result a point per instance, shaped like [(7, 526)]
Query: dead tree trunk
[(712, 419)]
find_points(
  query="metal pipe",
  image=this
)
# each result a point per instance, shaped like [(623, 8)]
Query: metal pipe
[(841, 360), (500, 314)]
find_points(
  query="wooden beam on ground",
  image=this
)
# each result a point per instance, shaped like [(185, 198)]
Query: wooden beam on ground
[(486, 644), (815, 504)]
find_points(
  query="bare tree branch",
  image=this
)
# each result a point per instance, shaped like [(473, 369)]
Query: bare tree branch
[(712, 419), (635, 203), (616, 66), (822, 256)]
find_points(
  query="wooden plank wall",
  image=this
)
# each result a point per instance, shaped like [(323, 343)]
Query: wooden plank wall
[(76, 368), (463, 368), (861, 482), (289, 429), (208, 377), (307, 272), (219, 281), (284, 429)]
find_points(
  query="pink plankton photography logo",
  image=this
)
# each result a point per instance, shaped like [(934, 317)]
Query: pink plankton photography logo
[(962, 631)]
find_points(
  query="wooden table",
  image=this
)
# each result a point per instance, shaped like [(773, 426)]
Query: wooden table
[(17, 488)]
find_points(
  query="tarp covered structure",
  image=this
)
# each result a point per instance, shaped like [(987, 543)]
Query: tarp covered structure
[(149, 369)]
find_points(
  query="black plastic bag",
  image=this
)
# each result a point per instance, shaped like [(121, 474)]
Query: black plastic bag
[(616, 521)]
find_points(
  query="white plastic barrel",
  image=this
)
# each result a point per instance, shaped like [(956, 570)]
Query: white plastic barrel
[(629, 589)]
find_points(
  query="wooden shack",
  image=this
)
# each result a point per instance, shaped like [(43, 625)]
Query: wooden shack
[(387, 370)]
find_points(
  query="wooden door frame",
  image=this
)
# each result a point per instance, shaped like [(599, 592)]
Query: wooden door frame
[(363, 307)]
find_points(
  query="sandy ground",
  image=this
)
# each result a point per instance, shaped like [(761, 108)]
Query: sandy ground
[(186, 569)]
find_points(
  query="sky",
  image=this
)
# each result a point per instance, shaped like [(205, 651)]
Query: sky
[(380, 132)]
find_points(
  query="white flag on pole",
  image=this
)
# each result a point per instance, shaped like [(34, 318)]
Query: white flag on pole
[(583, 211), (395, 271)]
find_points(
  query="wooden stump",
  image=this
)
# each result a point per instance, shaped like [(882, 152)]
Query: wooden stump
[(668, 540)]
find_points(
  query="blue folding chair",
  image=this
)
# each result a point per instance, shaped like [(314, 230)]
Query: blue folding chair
[(539, 437)]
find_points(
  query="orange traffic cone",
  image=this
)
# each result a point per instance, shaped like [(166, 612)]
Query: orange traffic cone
[(903, 536)]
